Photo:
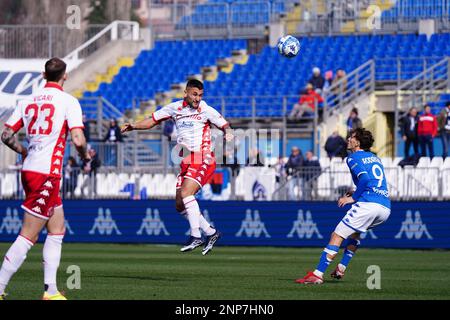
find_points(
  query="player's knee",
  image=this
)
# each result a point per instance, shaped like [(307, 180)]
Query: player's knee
[(186, 193), (56, 231)]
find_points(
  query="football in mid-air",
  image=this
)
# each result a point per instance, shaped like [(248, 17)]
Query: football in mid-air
[(288, 46)]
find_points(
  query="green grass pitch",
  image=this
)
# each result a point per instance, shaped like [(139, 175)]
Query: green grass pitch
[(152, 272)]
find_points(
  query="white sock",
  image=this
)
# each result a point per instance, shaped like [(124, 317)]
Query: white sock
[(52, 257), (14, 258), (342, 267), (206, 227), (193, 213), (318, 273)]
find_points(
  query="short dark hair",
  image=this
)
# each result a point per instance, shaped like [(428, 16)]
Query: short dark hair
[(364, 137), (447, 104), (355, 110), (55, 69), (194, 83)]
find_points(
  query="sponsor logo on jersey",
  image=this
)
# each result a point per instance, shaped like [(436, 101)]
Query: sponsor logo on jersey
[(48, 184), (104, 224), (304, 226), (252, 226), (152, 224), (413, 228), (11, 223), (45, 193), (37, 209), (41, 201)]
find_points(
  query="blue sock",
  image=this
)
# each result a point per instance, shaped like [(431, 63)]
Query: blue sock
[(324, 261), (348, 255)]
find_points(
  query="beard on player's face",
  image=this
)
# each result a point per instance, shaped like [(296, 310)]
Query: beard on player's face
[(193, 97)]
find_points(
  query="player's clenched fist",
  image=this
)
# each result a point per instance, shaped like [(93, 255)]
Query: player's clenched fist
[(127, 127)]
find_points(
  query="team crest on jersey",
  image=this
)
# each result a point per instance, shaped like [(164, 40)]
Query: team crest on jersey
[(252, 226), (413, 228), (304, 226), (11, 223), (152, 224), (104, 224)]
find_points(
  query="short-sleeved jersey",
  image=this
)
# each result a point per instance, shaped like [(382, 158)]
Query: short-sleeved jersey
[(362, 162), (48, 117), (193, 125)]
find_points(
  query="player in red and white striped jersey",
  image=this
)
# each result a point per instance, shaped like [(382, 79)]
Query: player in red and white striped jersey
[(47, 117), (193, 119)]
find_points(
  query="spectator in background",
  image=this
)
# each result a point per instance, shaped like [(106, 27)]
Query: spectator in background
[(306, 103), (444, 128), (317, 80), (87, 129), (71, 171), (311, 172), (328, 81), (114, 134), (427, 130), (280, 172), (255, 159), (293, 167), (353, 121), (336, 146), (90, 168), (340, 75), (409, 132)]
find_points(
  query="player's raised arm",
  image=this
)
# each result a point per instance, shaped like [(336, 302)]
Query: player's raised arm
[(145, 124)]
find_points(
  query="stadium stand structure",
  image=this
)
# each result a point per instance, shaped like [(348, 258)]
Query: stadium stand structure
[(217, 13), (413, 10), (266, 73)]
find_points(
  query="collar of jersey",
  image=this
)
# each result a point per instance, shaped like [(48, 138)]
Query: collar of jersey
[(53, 85)]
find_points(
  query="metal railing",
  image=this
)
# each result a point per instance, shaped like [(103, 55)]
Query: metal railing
[(306, 184), (217, 19), (359, 82), (363, 16), (42, 41), (424, 88)]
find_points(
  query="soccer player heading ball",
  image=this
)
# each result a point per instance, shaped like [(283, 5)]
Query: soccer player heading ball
[(192, 118), (371, 206), (48, 117)]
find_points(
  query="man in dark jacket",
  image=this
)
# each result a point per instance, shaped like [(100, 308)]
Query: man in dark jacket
[(336, 146), (293, 167), (409, 132), (317, 80), (311, 172), (113, 134), (444, 129), (353, 120)]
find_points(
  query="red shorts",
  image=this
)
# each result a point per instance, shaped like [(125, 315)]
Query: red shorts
[(197, 167), (41, 194)]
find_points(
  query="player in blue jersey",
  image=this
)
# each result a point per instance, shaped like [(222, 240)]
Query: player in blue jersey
[(371, 206)]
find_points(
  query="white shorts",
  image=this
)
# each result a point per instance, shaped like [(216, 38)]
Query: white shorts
[(361, 217)]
